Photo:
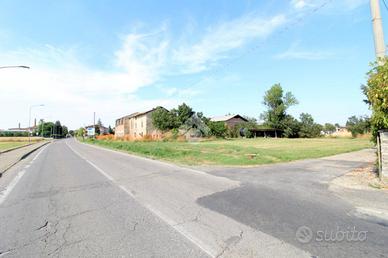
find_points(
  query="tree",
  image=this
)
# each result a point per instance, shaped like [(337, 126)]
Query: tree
[(65, 131), (277, 104), (164, 120), (329, 128), (376, 92), (358, 125), (183, 113), (110, 130), (217, 129), (81, 132), (204, 119), (98, 126), (57, 130), (291, 127), (308, 128)]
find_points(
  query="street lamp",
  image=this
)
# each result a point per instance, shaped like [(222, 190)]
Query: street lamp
[(15, 66), (29, 121)]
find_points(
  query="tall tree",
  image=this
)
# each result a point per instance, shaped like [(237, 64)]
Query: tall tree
[(277, 103), (183, 113)]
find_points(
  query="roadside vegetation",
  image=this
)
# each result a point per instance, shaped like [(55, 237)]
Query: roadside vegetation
[(376, 92), (275, 117), (10, 145), (9, 142), (236, 152)]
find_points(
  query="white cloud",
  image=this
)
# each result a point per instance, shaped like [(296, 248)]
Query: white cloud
[(71, 90), (296, 53), (299, 4), (219, 40)]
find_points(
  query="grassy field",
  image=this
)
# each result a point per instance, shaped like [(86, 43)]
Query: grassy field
[(238, 152), (10, 145), (20, 139)]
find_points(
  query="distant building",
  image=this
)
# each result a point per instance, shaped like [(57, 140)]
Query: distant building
[(103, 129), (341, 132), (25, 129), (229, 120), (137, 125)]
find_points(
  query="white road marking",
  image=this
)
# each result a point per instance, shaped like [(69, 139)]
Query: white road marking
[(209, 251), (4, 194)]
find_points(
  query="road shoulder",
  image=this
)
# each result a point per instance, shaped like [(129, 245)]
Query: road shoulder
[(362, 188), (11, 158)]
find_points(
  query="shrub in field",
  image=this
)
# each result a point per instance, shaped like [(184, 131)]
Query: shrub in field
[(217, 129), (107, 137)]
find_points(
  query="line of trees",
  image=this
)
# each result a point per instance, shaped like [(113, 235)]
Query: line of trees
[(49, 129), (275, 117)]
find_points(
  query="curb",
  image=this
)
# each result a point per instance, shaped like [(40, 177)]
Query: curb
[(22, 157)]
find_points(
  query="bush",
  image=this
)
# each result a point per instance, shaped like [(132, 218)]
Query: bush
[(358, 125), (218, 129), (376, 92), (308, 128), (106, 137)]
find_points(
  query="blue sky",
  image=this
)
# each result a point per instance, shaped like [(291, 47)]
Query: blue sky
[(117, 57)]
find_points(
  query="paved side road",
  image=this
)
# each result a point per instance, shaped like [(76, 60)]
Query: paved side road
[(280, 199)]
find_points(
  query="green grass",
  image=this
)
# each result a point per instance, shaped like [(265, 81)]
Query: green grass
[(236, 152), (10, 145)]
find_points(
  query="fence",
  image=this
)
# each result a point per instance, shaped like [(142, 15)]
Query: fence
[(382, 153)]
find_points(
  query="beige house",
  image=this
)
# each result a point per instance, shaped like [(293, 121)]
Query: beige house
[(137, 126)]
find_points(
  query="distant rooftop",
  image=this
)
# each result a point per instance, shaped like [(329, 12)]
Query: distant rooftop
[(226, 118), (140, 113)]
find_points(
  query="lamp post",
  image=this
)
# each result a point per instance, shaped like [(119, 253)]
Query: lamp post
[(42, 128), (29, 121)]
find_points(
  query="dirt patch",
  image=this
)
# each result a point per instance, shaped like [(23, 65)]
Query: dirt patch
[(364, 178)]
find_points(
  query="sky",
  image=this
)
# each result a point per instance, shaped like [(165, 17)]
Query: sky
[(219, 57)]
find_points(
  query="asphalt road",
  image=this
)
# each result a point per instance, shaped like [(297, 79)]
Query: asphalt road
[(75, 200)]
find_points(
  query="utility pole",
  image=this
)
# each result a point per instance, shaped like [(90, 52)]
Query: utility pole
[(377, 30)]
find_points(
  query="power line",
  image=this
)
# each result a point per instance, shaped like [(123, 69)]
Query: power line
[(385, 4), (257, 46)]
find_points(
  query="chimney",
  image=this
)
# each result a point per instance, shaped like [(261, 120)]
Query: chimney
[(19, 125)]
